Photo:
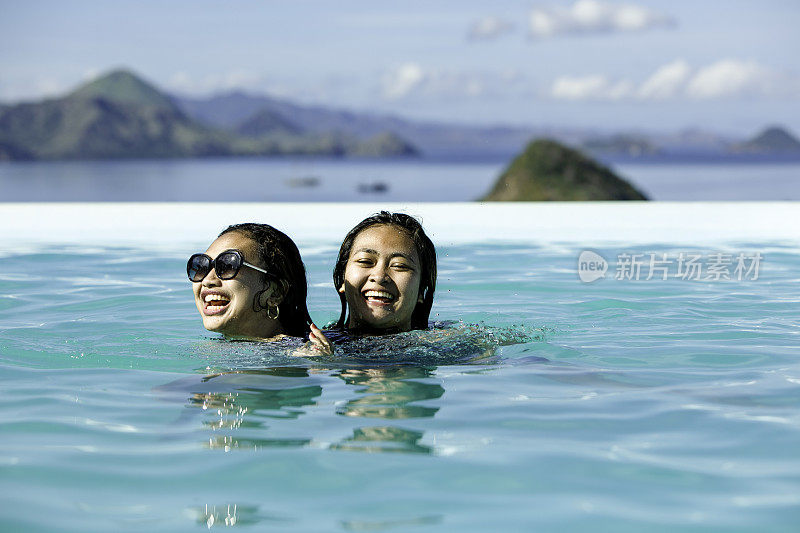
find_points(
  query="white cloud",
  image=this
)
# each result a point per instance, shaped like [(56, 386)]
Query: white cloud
[(181, 82), (401, 81), (579, 88), (489, 28), (49, 87), (91, 73), (728, 77), (29, 90), (594, 87), (593, 16), (666, 82), (412, 80)]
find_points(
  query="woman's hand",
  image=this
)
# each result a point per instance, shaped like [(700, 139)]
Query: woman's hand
[(318, 342)]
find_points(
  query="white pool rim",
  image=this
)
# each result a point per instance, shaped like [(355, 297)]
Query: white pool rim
[(164, 224)]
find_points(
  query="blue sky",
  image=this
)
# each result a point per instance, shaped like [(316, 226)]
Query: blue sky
[(729, 66)]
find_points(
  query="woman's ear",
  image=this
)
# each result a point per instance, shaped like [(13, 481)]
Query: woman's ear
[(263, 298), (341, 289), (278, 291)]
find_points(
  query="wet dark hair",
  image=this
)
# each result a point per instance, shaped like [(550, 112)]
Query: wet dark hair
[(425, 250), (282, 260)]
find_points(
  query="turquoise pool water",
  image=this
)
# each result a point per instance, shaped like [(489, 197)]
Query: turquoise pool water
[(660, 405)]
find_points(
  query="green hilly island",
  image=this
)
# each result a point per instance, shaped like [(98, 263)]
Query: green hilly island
[(549, 171), (124, 87), (119, 115)]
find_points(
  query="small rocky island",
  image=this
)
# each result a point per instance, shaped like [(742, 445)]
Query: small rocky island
[(773, 140), (549, 171)]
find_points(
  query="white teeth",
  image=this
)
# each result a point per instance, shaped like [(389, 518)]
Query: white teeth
[(378, 294), (212, 297)]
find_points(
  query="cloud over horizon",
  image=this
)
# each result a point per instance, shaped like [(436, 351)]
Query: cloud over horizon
[(411, 78), (726, 78), (400, 81), (729, 77), (593, 16)]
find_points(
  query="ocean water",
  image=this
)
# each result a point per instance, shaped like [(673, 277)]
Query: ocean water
[(343, 180), (714, 181), (614, 405), (247, 180)]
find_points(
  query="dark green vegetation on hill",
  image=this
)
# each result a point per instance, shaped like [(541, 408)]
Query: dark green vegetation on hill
[(121, 116), (549, 171), (95, 127), (123, 86)]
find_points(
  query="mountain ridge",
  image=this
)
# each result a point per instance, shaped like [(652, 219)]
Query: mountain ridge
[(240, 123), (230, 110), (123, 86), (442, 139), (120, 115)]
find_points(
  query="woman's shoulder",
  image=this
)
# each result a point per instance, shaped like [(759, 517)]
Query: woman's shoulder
[(336, 334)]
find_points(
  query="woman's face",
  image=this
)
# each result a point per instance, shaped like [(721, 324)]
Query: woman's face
[(226, 306), (381, 279)]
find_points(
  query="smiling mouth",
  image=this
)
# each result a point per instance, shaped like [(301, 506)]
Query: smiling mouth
[(215, 304), (381, 298)]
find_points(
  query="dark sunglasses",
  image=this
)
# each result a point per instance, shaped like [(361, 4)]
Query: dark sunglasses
[(226, 265)]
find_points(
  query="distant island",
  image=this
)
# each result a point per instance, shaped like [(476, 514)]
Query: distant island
[(621, 145), (772, 140), (121, 116), (549, 171)]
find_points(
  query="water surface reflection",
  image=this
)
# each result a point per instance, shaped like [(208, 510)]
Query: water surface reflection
[(298, 407)]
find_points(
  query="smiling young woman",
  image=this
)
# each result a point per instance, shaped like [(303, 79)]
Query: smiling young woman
[(385, 275), (251, 284)]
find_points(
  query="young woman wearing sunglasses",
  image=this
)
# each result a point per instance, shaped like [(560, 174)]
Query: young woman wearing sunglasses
[(251, 283)]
